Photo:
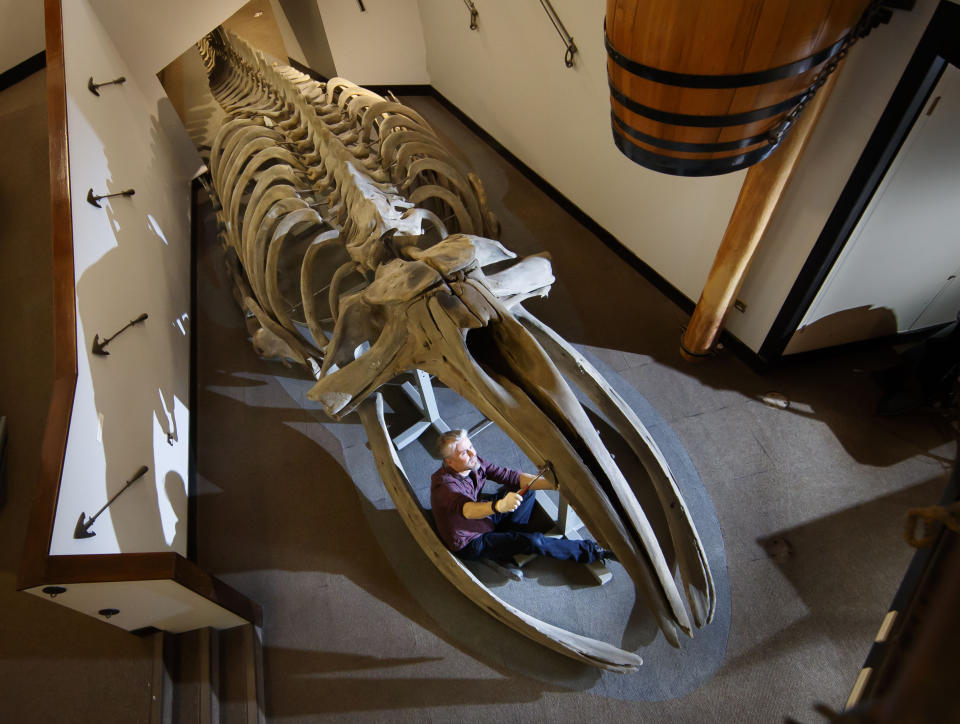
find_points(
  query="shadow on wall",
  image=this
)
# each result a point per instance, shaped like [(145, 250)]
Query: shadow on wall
[(848, 325), (141, 389)]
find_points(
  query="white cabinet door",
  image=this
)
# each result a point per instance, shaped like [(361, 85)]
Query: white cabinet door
[(898, 270)]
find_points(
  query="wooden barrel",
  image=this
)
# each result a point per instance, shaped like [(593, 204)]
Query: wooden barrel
[(703, 87)]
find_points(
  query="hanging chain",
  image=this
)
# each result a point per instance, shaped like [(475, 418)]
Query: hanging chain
[(871, 18)]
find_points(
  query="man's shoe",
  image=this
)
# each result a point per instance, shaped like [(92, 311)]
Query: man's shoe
[(505, 569), (605, 554)]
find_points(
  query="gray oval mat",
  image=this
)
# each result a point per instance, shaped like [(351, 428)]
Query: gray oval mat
[(561, 593)]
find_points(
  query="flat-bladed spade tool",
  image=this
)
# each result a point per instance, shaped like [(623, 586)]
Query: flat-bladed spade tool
[(83, 523), (99, 344)]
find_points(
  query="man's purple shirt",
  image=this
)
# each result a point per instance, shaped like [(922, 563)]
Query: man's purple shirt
[(450, 490)]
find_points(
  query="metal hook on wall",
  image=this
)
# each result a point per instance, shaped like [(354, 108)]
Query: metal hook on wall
[(95, 200), (562, 31), (92, 87), (474, 14)]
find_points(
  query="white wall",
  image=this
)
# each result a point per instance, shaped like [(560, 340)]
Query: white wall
[(510, 78), (898, 271), (290, 42), (863, 89), (21, 32), (148, 36), (304, 35), (131, 256), (381, 46)]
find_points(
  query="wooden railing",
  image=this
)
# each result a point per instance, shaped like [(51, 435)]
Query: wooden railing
[(37, 566)]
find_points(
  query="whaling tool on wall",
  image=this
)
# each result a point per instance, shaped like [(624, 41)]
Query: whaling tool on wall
[(83, 523), (100, 344), (92, 87), (474, 14), (95, 200), (562, 31)]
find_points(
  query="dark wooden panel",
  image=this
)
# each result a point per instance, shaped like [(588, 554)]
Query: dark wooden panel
[(109, 567), (40, 526)]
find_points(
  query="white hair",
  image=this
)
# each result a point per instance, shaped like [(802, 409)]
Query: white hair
[(448, 442)]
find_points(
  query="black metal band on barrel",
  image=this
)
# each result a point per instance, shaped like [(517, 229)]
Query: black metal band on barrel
[(683, 145), (689, 166), (683, 119), (738, 80)]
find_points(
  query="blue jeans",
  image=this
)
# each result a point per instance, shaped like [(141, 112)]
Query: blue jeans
[(508, 539)]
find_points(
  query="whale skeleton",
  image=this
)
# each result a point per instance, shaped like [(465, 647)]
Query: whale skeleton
[(361, 250)]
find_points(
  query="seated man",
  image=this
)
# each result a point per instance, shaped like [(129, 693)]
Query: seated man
[(475, 529)]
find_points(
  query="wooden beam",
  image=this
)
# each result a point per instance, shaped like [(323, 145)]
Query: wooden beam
[(759, 197)]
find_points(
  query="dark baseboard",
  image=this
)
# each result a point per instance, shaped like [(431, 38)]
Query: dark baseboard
[(413, 89), (23, 70), (746, 355), (308, 70)]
